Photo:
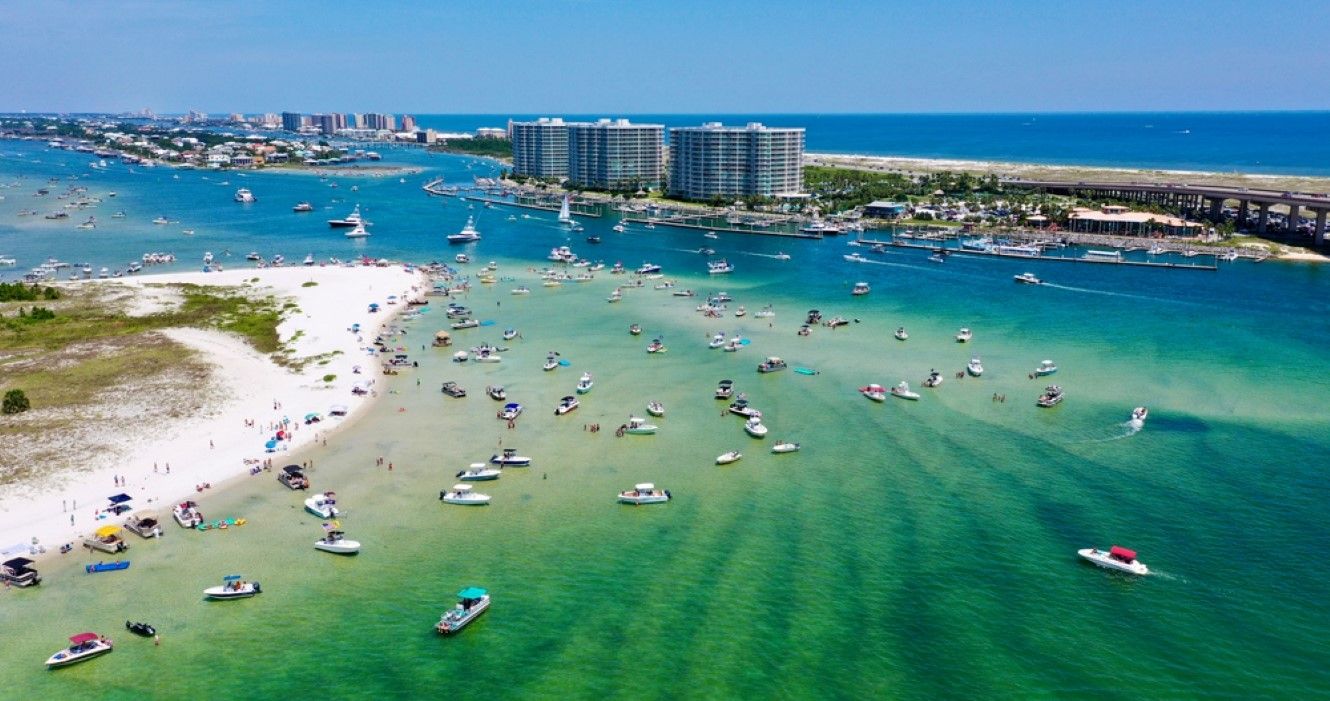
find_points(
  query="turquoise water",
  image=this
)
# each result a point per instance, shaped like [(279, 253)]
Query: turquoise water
[(910, 550)]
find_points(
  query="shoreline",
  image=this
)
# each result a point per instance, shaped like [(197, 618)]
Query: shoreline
[(255, 395)]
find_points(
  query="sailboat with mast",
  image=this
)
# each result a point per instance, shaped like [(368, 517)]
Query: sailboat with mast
[(566, 213)]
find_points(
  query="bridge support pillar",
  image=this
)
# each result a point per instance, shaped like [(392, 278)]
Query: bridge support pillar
[(1242, 214), (1291, 224), (1319, 232), (1262, 216), (1216, 209)]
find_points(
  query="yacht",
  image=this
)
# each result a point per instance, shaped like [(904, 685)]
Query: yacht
[(1051, 397), (335, 542), (187, 514), (901, 334), (1028, 279), (351, 220), (323, 505), (725, 389), (644, 493), (754, 427), (730, 457), (819, 228), (648, 268), (1139, 415), (510, 458), (902, 391), (467, 234), (585, 384), (772, 364), (639, 426), (566, 405), (245, 196), (471, 602), (82, 647), (1116, 558), (860, 289), (303, 207), (875, 392), (358, 232), (785, 447), (233, 587), (655, 408), (719, 267), (1046, 367), (479, 472), (964, 336), (974, 367), (462, 495)]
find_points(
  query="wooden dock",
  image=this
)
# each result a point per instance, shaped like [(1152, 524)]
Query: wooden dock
[(1059, 259)]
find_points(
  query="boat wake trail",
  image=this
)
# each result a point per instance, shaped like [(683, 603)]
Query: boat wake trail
[(761, 255), (1109, 293), (1116, 432)]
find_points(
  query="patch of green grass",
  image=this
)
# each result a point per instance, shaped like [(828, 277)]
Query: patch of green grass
[(311, 283)]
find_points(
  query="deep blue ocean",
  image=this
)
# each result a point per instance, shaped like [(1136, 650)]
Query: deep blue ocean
[(1286, 143)]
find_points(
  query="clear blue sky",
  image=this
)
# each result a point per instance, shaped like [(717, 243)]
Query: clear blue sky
[(673, 56)]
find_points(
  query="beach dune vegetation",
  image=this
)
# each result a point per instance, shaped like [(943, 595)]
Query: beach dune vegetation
[(15, 402)]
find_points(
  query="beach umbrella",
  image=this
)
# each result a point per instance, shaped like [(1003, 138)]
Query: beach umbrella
[(270, 446), (311, 416)]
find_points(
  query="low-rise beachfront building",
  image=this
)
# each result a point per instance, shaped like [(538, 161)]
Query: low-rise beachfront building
[(885, 210), (540, 148), (615, 155), (1116, 219), (714, 160)]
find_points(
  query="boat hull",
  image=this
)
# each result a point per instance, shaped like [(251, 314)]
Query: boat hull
[(341, 547), (224, 594), (65, 659)]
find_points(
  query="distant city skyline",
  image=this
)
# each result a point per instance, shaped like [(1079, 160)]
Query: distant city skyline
[(687, 57)]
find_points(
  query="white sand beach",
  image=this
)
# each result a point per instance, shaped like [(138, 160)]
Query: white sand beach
[(248, 397)]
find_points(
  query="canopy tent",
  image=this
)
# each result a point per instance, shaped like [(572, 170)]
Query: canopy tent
[(107, 531), (84, 638), (119, 498), (231, 577), (1122, 553), (471, 593)]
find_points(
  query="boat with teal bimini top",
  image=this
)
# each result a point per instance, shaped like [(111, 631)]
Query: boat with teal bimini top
[(471, 602)]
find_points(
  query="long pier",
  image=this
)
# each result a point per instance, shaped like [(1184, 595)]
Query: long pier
[(729, 230), (1060, 259)]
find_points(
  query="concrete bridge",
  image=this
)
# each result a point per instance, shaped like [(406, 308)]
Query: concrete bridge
[(1205, 199)]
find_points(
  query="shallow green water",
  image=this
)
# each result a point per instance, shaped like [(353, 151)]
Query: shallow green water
[(910, 550)]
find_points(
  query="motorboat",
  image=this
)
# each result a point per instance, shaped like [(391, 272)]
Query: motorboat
[(771, 364), (1139, 415), (785, 447), (902, 391), (351, 220), (309, 259), (467, 234), (1027, 279), (733, 345), (615, 296), (656, 346), (479, 472), (765, 313), (471, 602), (1116, 558), (901, 334), (740, 312), (463, 495), (644, 493), (465, 324), (730, 457), (509, 334), (496, 392), (754, 427), (146, 630), (323, 505), (860, 289), (710, 235), (107, 539), (19, 572), (358, 232), (717, 341), (725, 389), (144, 524), (854, 258), (461, 357), (336, 542), (233, 587), (964, 336), (974, 367), (253, 256), (1051, 397), (462, 258), (522, 290), (1156, 250), (655, 408), (635, 330), (82, 647), (781, 255), (161, 220), (741, 407), (510, 411), (585, 384), (551, 363), (648, 268), (187, 514), (1046, 367), (293, 477), (243, 195), (566, 404), (620, 228), (719, 267), (116, 566), (486, 354), (510, 458), (303, 207), (638, 426), (875, 392)]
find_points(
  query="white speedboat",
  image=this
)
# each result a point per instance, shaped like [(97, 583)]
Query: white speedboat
[(644, 493), (860, 289), (875, 392), (974, 367), (585, 384), (901, 334), (462, 495), (335, 542), (785, 447), (656, 346), (655, 408), (358, 232), (902, 390), (730, 457), (719, 267), (1139, 415), (510, 411), (468, 233), (309, 259), (82, 647), (486, 355), (964, 336), (523, 290), (1051, 397), (323, 505), (1115, 558), (854, 258), (479, 472), (615, 296), (303, 207), (509, 334), (461, 357), (741, 407), (754, 427), (233, 587), (648, 268), (245, 196), (717, 341), (1047, 367), (187, 514), (551, 363), (471, 602), (638, 426), (496, 392), (1027, 279), (510, 458), (566, 405), (765, 313)]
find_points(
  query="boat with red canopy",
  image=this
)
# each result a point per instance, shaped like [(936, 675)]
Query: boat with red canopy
[(83, 646), (1115, 558)]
